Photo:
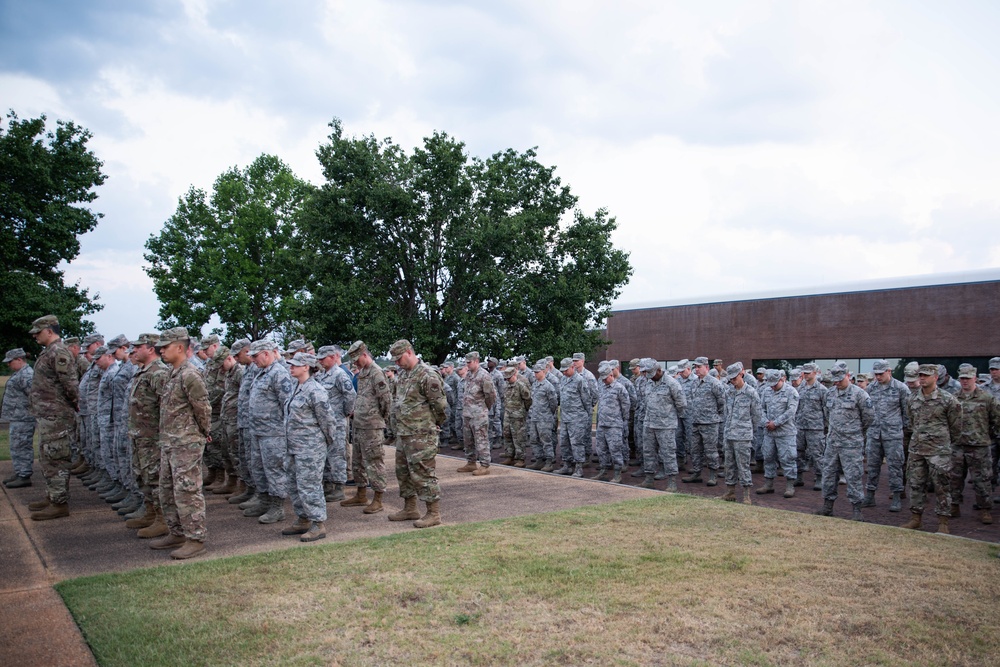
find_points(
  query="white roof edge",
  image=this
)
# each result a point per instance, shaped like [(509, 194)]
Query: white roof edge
[(902, 282)]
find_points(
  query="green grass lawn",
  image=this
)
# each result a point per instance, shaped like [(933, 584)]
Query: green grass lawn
[(673, 580)]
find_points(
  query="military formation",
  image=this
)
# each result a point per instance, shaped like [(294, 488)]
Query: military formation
[(156, 423)]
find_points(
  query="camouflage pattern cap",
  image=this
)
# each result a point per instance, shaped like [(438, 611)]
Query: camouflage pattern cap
[(261, 345), (838, 371), (880, 366), (550, 360), (211, 339), (101, 351), (16, 353), (493, 360), (509, 372), (518, 359), (472, 356), (995, 362), (967, 371), (565, 364), (613, 363), (71, 340), (295, 346), (327, 351), (911, 370), (633, 363), (761, 371), (303, 359), (43, 322), (673, 370), (714, 373), (222, 354), (772, 377), (399, 348), (717, 362), (701, 361), (810, 368), (579, 356), (90, 339), (147, 339), (647, 364), (239, 346), (732, 370), (928, 369), (942, 371), (795, 374), (540, 366), (448, 364), (683, 365), (118, 341), (175, 335), (603, 366), (356, 349)]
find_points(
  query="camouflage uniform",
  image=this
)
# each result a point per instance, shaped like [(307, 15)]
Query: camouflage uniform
[(685, 425), (16, 400), (185, 423), (664, 402), (454, 424), (119, 419), (885, 437), (743, 414), (496, 410), (268, 397), (936, 421), (628, 433), (971, 453), (810, 424), (144, 427), (371, 412), (55, 392), (418, 410), (83, 416), (457, 415), (613, 407), (479, 398), (541, 417), (574, 419), (341, 395), (517, 402), (708, 401), (850, 415), (90, 394), (310, 431), (216, 453), (780, 444), (246, 446), (105, 404), (640, 417)]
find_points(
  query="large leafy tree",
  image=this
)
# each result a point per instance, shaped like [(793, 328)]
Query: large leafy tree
[(47, 181), (232, 254), (454, 252)]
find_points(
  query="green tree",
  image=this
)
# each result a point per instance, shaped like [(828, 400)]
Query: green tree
[(47, 180), (232, 254), (454, 253)]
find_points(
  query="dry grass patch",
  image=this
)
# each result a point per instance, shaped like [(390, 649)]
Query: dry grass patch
[(675, 580)]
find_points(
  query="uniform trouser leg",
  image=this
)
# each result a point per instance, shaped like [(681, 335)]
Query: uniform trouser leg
[(705, 449), (976, 463), (272, 453), (108, 450), (721, 443), (231, 442), (214, 459), (369, 458), (22, 447), (815, 446), (737, 462), (851, 461), (758, 443), (639, 435), (801, 451), (515, 431), (601, 448), (335, 469), (55, 456), (305, 484), (81, 439), (123, 462), (892, 450), (571, 439), (416, 462), (94, 441), (147, 455), (75, 445), (477, 443), (245, 469), (779, 448), (181, 496), (540, 438), (937, 468), (660, 448)]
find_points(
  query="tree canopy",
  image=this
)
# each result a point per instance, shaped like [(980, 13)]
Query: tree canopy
[(47, 180)]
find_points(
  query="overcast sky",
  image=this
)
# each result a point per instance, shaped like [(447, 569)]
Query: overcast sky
[(742, 146)]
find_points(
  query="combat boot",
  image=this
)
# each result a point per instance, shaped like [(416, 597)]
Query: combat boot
[(713, 478), (577, 470), (336, 493), (189, 549), (915, 521), (826, 509), (506, 461), (896, 504), (168, 541), (789, 487), (240, 489), (672, 483), (470, 466), (251, 501), (856, 513), (602, 475), (156, 529), (564, 470), (660, 474), (19, 483), (519, 463), (647, 483), (230, 487), (549, 466), (431, 518), (209, 479), (359, 499), (81, 468), (480, 471), (118, 497), (36, 505), (145, 520), (768, 486), (275, 511), (317, 531), (985, 517), (132, 506), (51, 512), (730, 494), (375, 505), (247, 493), (818, 484), (123, 502), (943, 526), (798, 479), (956, 510), (138, 513), (259, 508), (537, 464), (638, 472), (693, 478), (746, 496), (409, 511), (103, 485), (220, 481), (109, 490), (617, 477), (298, 528), (869, 500)]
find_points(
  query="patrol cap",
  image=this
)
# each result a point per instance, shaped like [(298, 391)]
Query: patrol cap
[(633, 363), (984, 378), (995, 362), (613, 363), (518, 359), (550, 360), (910, 371), (761, 371), (810, 368), (701, 361), (261, 345), (472, 356), (509, 372), (673, 370), (90, 339), (967, 371), (71, 340), (118, 341), (717, 362), (493, 360), (295, 346), (941, 371), (43, 322), (732, 370), (222, 354), (881, 366), (714, 373), (928, 369), (303, 359), (867, 377), (327, 351), (239, 346), (838, 371), (448, 364), (579, 356), (772, 377), (602, 366), (565, 364), (16, 353), (604, 372), (540, 366), (795, 374), (195, 345), (175, 335), (399, 348), (146, 339), (101, 351), (683, 365), (647, 364), (356, 349), (211, 339)]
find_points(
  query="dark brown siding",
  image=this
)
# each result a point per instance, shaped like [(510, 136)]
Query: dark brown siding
[(934, 321)]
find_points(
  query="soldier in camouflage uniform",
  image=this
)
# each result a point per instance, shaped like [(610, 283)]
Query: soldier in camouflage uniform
[(780, 407), (850, 414), (638, 381), (372, 406), (461, 370), (144, 428), (447, 374), (105, 358), (885, 437), (936, 420), (16, 412), (216, 459), (185, 425), (418, 410), (946, 382), (541, 417), (627, 432), (685, 438), (707, 403), (128, 497), (496, 410), (743, 413), (247, 446), (80, 465), (477, 401), (90, 394), (613, 407), (89, 368), (268, 398), (664, 401), (971, 454), (232, 380), (55, 392), (811, 422), (340, 389), (579, 366), (517, 402), (575, 409), (310, 431), (993, 386)]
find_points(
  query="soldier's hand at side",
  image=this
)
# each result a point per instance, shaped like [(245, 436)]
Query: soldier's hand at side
[(771, 426), (208, 438)]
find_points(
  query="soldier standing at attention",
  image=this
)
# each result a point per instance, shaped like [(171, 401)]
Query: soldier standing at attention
[(936, 420), (268, 398), (339, 387), (516, 403), (780, 407), (708, 401), (850, 413), (448, 376), (612, 418), (743, 413), (418, 411), (231, 378), (479, 398), (664, 403), (541, 417), (811, 421), (22, 425), (993, 386), (885, 437), (575, 409), (250, 371), (971, 454), (371, 413), (185, 425), (55, 392), (946, 382)]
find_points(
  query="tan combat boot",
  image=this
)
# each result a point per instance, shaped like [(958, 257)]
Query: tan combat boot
[(143, 521), (768, 486), (157, 529), (789, 487), (943, 526), (985, 517), (168, 541), (36, 505), (468, 467), (317, 531), (189, 549), (481, 470), (209, 479), (746, 496), (431, 518), (228, 488), (51, 512), (375, 505), (359, 499), (915, 521), (409, 511), (730, 495), (298, 528)]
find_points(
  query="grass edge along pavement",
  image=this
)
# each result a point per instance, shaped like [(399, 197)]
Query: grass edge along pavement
[(668, 580)]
